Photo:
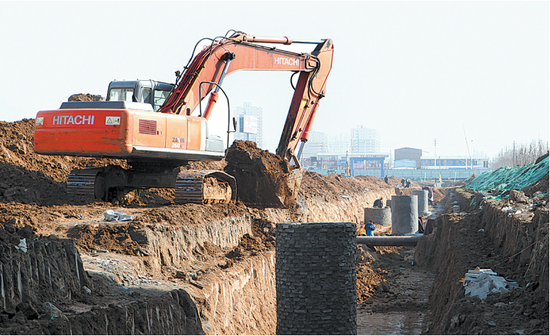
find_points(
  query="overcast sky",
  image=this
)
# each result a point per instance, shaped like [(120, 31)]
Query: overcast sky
[(414, 71)]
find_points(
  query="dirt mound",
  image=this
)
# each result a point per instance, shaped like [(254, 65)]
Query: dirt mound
[(32, 178), (85, 97), (205, 165), (263, 178), (540, 187)]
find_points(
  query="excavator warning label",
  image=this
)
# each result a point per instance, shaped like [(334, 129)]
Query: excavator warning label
[(73, 120), (112, 121)]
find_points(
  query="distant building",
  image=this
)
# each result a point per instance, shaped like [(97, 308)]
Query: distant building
[(317, 143), (412, 158), (365, 140), (249, 124), (407, 157)]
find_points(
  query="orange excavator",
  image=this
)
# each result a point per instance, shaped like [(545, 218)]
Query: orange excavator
[(156, 128)]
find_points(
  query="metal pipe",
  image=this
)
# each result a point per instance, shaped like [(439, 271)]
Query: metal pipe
[(388, 240)]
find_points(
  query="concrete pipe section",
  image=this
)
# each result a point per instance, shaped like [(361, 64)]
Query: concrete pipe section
[(389, 240), (422, 202), (404, 214), (380, 216)]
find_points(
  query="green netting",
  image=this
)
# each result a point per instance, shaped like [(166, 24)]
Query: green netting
[(508, 178)]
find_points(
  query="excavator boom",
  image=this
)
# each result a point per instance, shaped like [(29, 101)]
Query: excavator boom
[(240, 52)]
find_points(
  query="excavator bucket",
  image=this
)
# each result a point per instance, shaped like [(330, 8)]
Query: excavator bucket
[(263, 179)]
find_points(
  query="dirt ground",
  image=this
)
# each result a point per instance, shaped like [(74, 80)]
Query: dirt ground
[(34, 203)]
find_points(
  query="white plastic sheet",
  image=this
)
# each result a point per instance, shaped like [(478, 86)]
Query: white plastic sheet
[(115, 216), (482, 282)]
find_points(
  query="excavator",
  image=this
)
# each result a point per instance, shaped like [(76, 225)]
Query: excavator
[(158, 127)]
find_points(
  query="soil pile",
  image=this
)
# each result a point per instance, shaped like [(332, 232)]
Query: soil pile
[(317, 185), (263, 179), (85, 97)]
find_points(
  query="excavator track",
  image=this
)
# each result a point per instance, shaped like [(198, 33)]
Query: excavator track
[(191, 186), (205, 187), (83, 182)]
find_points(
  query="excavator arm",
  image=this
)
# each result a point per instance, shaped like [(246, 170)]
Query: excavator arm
[(206, 72)]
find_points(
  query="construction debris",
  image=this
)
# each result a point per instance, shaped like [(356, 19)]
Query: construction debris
[(482, 282), (115, 216)]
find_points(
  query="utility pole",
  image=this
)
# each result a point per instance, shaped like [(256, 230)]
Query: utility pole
[(435, 153), (468, 147)]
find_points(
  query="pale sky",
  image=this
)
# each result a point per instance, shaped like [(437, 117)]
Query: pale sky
[(414, 71)]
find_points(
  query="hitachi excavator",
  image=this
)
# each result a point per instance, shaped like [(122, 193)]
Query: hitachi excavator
[(154, 125)]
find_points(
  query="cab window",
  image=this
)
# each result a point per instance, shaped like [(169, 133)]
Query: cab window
[(121, 95), (159, 98), (146, 95)]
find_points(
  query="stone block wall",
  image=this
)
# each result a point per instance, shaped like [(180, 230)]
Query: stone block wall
[(315, 278)]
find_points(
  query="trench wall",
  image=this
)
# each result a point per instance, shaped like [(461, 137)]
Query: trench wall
[(180, 245), (440, 251), (512, 232), (168, 245), (172, 313), (348, 208), (240, 300), (43, 271)]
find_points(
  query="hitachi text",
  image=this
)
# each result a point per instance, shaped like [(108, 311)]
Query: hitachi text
[(73, 120), (286, 61)]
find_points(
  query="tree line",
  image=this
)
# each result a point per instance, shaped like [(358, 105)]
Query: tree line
[(520, 154)]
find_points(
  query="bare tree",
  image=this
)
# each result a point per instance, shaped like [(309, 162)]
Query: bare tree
[(520, 154)]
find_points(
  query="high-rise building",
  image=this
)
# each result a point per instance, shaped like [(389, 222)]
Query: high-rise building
[(316, 144), (365, 140), (249, 124)]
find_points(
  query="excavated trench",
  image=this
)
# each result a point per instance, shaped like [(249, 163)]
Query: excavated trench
[(213, 277), (223, 267), (197, 269)]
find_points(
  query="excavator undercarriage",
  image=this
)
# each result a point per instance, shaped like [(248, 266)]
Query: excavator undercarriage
[(111, 183)]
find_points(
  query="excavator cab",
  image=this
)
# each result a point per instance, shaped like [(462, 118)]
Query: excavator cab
[(140, 91)]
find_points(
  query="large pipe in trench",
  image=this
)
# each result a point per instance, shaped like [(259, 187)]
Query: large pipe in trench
[(388, 240)]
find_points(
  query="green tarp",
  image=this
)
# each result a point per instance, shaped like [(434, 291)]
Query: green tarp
[(508, 178)]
